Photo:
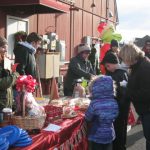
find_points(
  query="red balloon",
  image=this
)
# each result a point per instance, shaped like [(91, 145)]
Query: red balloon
[(101, 26)]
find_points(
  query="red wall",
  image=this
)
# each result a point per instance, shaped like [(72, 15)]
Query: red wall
[(71, 26)]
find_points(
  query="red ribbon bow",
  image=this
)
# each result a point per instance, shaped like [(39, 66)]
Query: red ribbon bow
[(27, 82)]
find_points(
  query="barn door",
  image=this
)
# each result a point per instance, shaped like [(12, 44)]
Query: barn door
[(14, 24)]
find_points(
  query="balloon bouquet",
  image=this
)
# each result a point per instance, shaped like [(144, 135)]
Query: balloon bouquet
[(107, 33)]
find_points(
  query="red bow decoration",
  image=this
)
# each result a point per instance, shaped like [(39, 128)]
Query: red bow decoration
[(27, 82)]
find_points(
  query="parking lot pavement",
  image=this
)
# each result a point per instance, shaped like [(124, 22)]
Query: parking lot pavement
[(135, 138)]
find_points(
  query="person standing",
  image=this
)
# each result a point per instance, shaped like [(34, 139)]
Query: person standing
[(138, 88), (114, 47), (119, 75), (94, 60), (101, 113), (114, 50), (7, 80), (146, 48), (24, 54), (79, 67)]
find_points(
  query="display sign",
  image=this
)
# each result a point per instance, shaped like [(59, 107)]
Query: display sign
[(68, 1)]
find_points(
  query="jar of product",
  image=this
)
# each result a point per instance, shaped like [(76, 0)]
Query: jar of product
[(7, 114), (79, 90)]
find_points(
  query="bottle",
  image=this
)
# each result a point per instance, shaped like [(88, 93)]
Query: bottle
[(79, 90)]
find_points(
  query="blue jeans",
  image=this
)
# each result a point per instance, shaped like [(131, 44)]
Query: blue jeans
[(145, 119)]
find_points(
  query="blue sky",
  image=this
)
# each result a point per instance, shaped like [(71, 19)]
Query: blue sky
[(134, 18)]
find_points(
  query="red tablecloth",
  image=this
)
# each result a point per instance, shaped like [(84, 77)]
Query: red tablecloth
[(72, 136)]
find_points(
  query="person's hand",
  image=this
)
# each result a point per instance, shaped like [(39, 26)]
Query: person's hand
[(123, 83), (93, 77)]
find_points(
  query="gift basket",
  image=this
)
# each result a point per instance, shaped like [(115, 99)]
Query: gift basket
[(32, 115), (53, 113)]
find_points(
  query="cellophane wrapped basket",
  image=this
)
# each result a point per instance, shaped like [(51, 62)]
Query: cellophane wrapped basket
[(28, 122), (52, 113)]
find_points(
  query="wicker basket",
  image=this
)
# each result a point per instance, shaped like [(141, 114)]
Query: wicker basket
[(28, 122)]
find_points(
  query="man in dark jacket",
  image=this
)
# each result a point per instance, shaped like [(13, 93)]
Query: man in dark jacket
[(79, 67), (114, 47), (24, 54), (94, 60), (119, 75)]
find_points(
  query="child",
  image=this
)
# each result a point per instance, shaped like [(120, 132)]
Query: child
[(101, 112), (6, 79), (119, 75)]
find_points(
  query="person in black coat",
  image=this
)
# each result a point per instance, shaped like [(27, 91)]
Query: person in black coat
[(138, 88), (146, 48), (94, 60), (79, 67), (119, 75), (114, 47), (24, 54)]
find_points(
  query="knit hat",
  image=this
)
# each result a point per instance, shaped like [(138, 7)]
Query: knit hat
[(83, 47), (114, 43), (110, 58)]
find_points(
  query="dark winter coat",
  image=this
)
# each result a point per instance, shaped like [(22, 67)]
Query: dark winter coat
[(139, 85), (77, 69), (24, 55), (7, 80), (118, 76)]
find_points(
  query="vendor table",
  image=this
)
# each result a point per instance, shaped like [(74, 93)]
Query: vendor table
[(71, 136)]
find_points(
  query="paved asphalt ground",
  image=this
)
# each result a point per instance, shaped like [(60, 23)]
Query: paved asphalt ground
[(135, 139)]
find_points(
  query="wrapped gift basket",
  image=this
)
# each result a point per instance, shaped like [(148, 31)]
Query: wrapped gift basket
[(32, 115)]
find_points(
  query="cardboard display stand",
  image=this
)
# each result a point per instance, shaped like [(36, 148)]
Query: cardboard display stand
[(49, 65)]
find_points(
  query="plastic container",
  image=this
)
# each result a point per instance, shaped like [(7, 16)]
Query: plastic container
[(7, 114), (79, 90)]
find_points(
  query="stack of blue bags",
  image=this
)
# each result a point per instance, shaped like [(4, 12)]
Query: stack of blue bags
[(13, 136)]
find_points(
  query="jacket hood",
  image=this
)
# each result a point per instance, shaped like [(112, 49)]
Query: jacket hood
[(31, 49), (102, 88)]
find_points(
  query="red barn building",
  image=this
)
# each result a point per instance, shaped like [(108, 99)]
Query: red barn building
[(71, 20)]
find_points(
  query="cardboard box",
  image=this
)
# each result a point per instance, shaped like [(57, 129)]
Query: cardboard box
[(49, 65)]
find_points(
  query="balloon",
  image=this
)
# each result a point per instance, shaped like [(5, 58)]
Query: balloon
[(109, 33), (101, 26)]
